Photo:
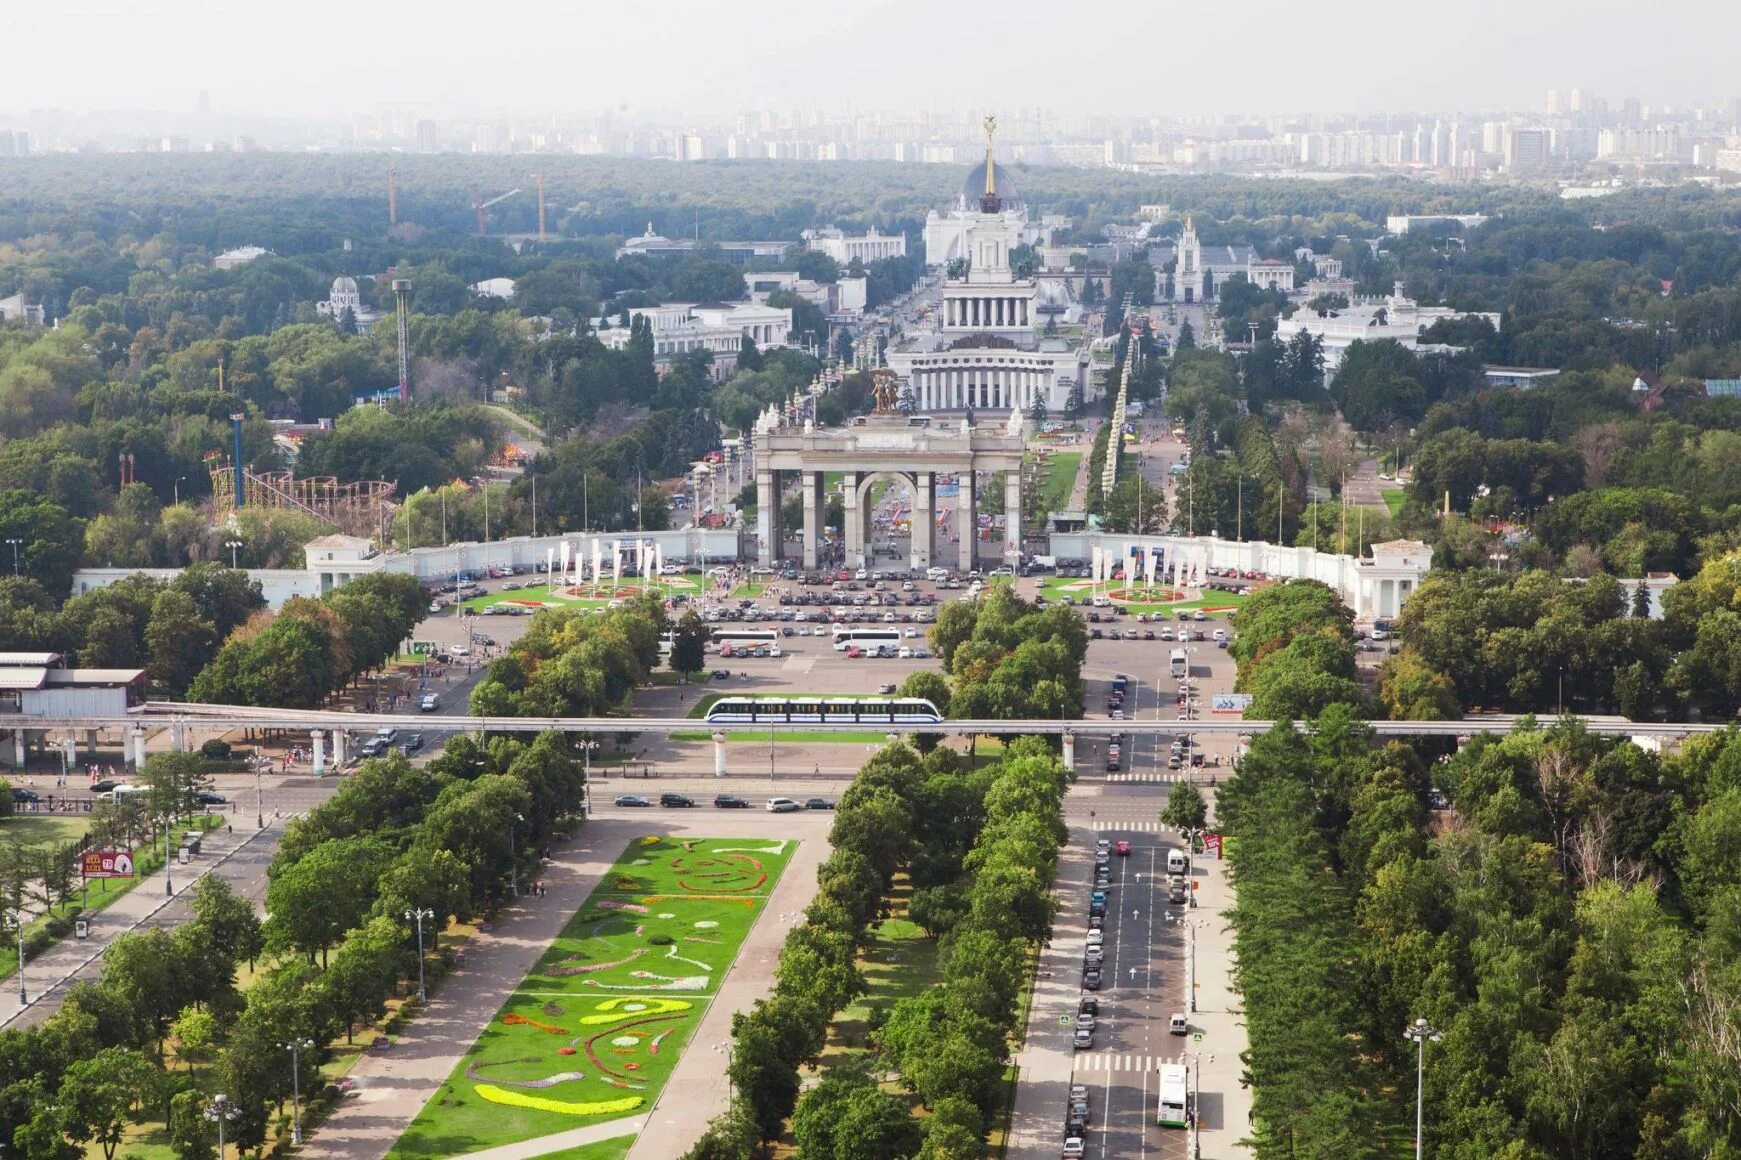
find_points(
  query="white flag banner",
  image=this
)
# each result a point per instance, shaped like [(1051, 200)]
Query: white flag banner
[(1149, 567), (596, 561), (562, 553)]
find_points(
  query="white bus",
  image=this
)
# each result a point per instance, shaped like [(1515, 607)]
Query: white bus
[(729, 639), (1181, 663), (1172, 1110), (869, 639)]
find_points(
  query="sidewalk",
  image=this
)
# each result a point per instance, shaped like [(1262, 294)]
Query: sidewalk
[(1046, 1061), (1224, 1105), (47, 976)]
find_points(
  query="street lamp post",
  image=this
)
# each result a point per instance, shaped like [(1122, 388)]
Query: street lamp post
[(586, 748), (296, 1047), (168, 837), (175, 489), (233, 546), (15, 544), (418, 914), (259, 798), (1420, 1031), (222, 1111)]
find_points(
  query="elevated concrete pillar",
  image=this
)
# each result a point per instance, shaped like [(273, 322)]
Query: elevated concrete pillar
[(176, 740), (338, 748), (966, 523), (318, 739), (719, 754), (811, 484), (138, 747), (766, 502), (1012, 510), (924, 517), (1069, 750), (854, 529)]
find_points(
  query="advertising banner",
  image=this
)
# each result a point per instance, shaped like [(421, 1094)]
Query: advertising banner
[(105, 863), (1229, 702)]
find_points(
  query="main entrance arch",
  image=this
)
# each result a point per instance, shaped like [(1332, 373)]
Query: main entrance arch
[(916, 450)]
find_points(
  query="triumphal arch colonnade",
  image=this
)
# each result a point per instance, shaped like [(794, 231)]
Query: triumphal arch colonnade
[(916, 449)]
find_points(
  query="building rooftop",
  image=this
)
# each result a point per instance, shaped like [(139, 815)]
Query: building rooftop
[(29, 659), (95, 676)]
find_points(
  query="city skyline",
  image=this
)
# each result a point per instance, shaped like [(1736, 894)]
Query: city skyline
[(901, 57)]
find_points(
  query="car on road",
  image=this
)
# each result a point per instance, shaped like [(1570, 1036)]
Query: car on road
[(721, 674), (817, 803), (1088, 1005), (1096, 937), (1091, 979), (1176, 891), (726, 801), (632, 799), (1178, 1024), (1084, 1022), (676, 801), (1083, 1039), (412, 743), (28, 795), (783, 805), (107, 785), (429, 703), (1123, 846), (1074, 1147), (1093, 955), (1112, 765)]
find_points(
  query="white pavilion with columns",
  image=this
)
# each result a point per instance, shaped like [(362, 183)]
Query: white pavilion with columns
[(987, 351)]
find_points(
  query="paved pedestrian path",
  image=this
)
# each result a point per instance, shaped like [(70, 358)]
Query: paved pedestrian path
[(561, 1141), (48, 976)]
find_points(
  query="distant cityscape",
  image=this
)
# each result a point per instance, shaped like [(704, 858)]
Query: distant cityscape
[(1573, 133)]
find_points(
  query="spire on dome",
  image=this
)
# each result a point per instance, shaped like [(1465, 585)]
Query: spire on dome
[(990, 203)]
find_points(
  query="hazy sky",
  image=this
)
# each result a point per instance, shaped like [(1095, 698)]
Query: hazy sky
[(1149, 57)]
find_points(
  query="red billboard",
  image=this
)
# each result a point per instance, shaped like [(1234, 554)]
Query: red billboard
[(108, 864)]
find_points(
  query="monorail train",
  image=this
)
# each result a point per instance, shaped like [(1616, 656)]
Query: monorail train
[(816, 710)]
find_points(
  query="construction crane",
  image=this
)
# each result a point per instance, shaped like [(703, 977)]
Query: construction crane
[(392, 195), (479, 207)]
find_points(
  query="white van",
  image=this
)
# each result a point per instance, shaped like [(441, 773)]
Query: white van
[(1175, 861), (123, 792)]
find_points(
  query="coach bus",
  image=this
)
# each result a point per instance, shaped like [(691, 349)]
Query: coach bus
[(730, 638), (1181, 663), (868, 639)]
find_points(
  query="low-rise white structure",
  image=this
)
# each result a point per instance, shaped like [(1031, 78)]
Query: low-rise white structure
[(1373, 586), (240, 256), (843, 248), (717, 327), (1402, 223), (502, 288), (344, 296), (1396, 317)]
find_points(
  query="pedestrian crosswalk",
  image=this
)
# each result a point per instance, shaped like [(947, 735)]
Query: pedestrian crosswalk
[(1121, 826), (1109, 1061), (1152, 778)]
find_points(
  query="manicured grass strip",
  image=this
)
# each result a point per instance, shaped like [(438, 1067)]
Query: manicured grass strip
[(597, 1025), (1060, 479), (1394, 497)]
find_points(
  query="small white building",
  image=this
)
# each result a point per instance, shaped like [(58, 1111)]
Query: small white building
[(1396, 317), (344, 296), (717, 327), (336, 560), (240, 256), (16, 309), (502, 288), (871, 247)]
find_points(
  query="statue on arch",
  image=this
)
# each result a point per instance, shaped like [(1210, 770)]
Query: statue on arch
[(885, 390)]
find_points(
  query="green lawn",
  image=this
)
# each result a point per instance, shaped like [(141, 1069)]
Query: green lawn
[(43, 829), (541, 594), (1060, 479), (1215, 603), (595, 1028), (614, 1149), (899, 963), (1393, 499)]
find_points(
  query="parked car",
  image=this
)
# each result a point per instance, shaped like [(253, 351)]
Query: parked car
[(676, 801), (1083, 1039), (632, 799), (721, 674), (783, 805), (726, 801), (817, 803)]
